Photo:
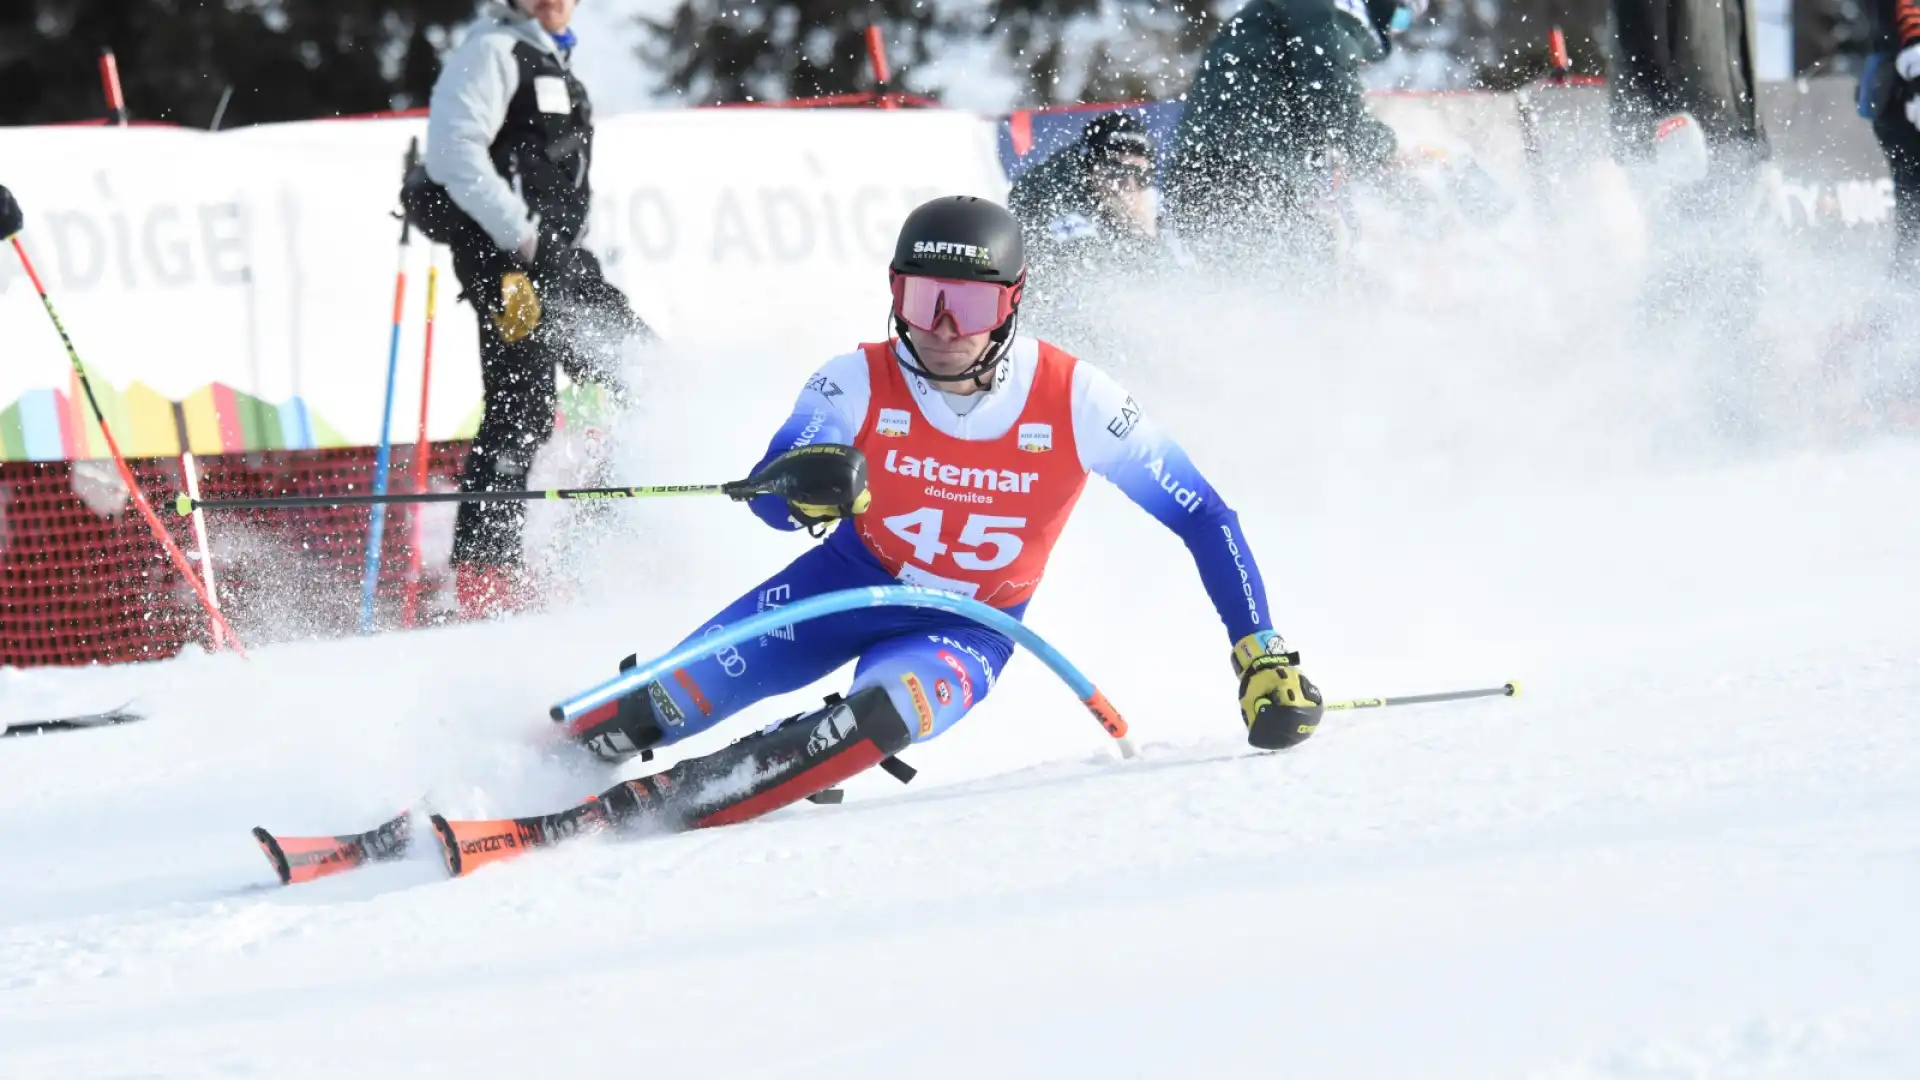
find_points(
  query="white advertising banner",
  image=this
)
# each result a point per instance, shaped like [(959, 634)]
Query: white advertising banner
[(238, 288)]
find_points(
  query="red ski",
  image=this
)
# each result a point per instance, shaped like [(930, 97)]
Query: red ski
[(803, 757), (468, 845), (300, 859)]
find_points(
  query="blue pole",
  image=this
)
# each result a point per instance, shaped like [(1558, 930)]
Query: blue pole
[(846, 600), (377, 526)]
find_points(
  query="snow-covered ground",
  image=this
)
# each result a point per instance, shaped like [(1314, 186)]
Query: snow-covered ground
[(1692, 849)]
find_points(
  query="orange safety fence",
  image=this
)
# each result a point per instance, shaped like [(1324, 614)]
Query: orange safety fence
[(83, 580)]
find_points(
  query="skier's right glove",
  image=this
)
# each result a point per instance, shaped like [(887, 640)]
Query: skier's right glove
[(11, 219), (1280, 706), (820, 483)]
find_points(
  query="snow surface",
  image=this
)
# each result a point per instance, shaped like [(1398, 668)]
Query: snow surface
[(1692, 849)]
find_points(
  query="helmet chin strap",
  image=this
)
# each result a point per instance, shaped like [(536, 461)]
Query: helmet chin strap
[(978, 371)]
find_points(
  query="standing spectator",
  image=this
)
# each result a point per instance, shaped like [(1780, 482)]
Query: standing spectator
[(1890, 94), (1278, 94), (1094, 200), (1686, 127), (509, 145), (1691, 57), (1089, 211)]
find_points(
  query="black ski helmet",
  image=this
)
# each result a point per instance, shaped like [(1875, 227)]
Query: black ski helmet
[(963, 238)]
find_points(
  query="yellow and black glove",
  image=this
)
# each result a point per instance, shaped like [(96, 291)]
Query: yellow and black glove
[(820, 483), (1280, 706), (519, 311)]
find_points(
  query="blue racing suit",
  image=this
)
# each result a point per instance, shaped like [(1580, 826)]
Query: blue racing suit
[(953, 661)]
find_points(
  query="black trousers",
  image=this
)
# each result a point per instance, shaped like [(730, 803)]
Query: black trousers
[(584, 323), (1900, 141)]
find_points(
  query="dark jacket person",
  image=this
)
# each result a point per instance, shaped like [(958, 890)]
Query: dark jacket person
[(1278, 93)]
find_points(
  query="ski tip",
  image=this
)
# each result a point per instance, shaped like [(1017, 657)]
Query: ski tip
[(466, 846), (274, 855), (449, 844)]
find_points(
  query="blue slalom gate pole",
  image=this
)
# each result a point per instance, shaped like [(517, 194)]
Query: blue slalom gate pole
[(596, 704), (377, 525)]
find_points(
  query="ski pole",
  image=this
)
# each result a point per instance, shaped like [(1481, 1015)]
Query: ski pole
[(122, 715), (377, 527), (185, 504), (132, 483), (784, 476), (1510, 689), (422, 449)]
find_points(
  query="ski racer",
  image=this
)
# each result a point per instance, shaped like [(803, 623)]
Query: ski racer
[(1890, 97), (979, 440)]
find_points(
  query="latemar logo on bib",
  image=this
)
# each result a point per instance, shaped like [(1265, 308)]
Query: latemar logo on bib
[(929, 468)]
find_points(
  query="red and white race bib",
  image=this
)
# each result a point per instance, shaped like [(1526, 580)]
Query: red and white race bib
[(977, 517)]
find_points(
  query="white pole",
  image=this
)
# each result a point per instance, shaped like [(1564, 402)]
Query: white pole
[(200, 538)]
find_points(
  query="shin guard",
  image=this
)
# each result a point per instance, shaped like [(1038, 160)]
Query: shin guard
[(756, 775), (769, 769)]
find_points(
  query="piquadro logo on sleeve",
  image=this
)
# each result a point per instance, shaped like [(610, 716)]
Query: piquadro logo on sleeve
[(893, 423)]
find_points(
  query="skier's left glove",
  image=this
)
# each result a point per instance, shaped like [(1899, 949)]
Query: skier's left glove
[(1280, 706), (820, 483)]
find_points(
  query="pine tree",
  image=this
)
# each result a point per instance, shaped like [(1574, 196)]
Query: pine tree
[(1076, 51), (290, 60), (719, 51)]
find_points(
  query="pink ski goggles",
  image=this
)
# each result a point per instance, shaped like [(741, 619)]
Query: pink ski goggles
[(972, 307)]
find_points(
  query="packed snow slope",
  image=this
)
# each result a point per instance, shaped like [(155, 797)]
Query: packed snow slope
[(1692, 849)]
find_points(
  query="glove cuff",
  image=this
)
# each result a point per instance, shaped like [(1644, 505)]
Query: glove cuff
[(1907, 63), (1258, 644)]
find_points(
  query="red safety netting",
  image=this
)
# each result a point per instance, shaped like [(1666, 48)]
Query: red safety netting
[(83, 579)]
